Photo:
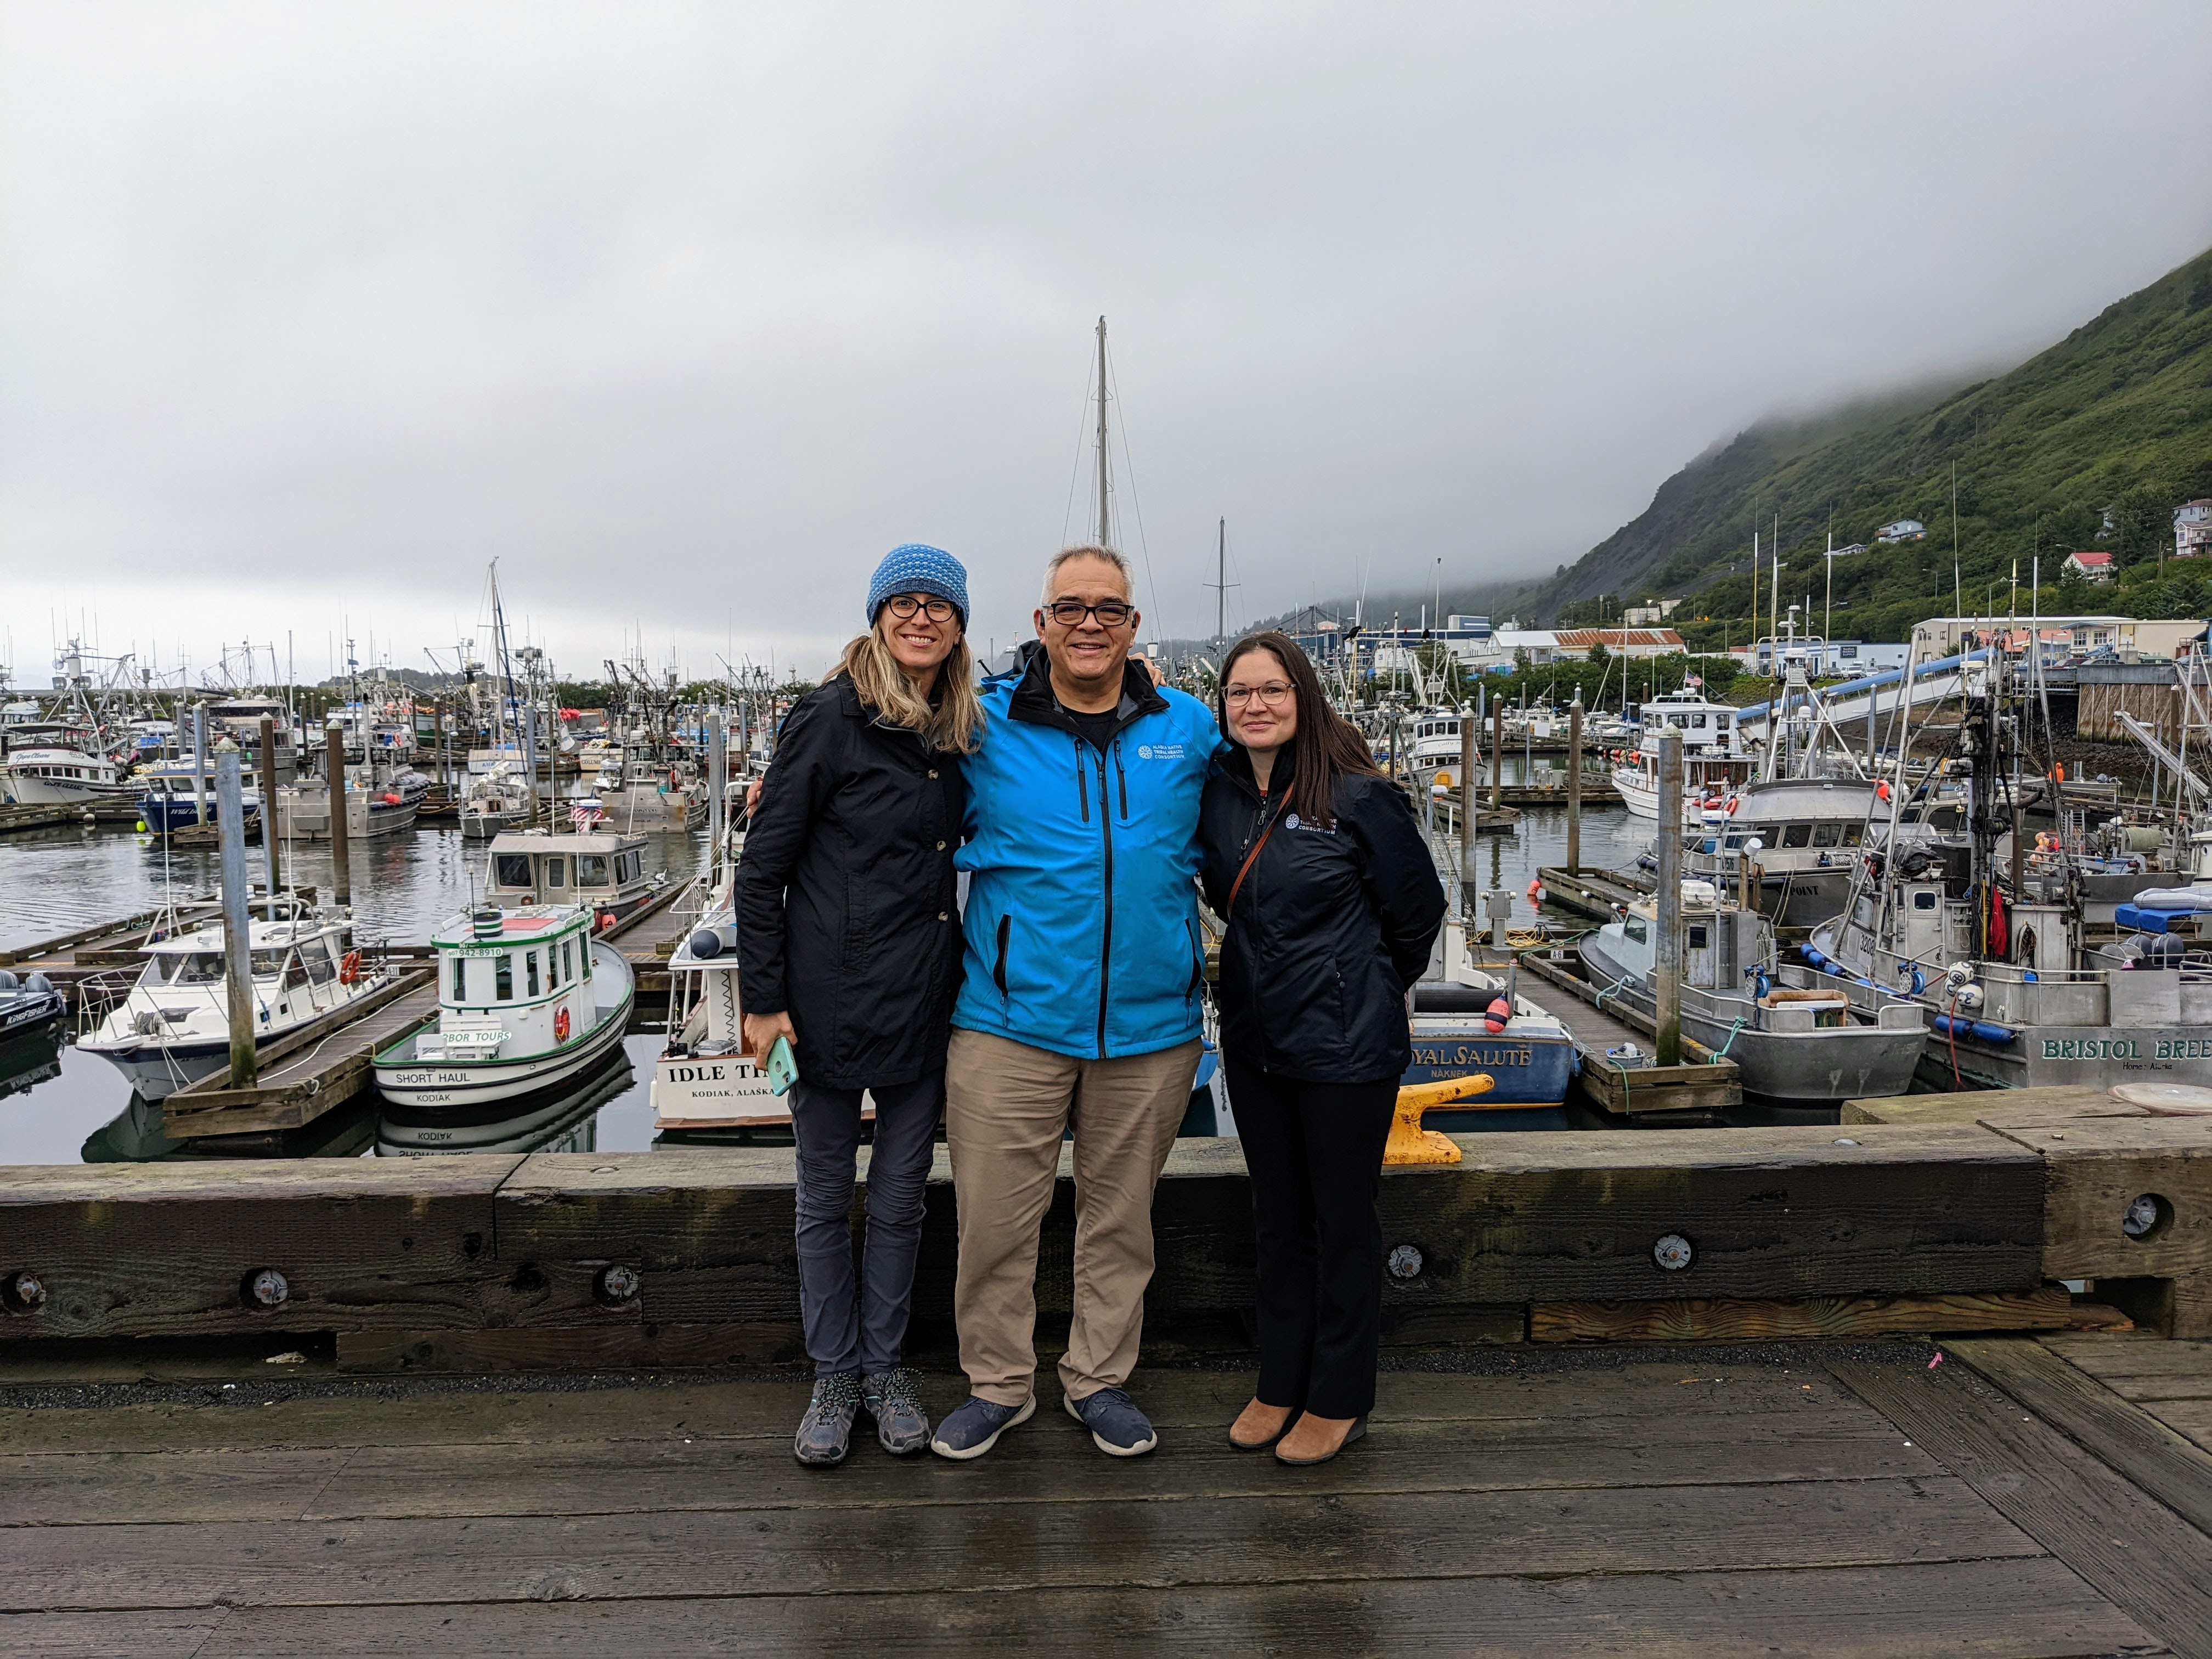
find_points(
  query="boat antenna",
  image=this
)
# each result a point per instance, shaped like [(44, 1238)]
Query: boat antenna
[(1105, 521)]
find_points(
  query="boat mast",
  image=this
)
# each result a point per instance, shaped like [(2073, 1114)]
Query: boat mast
[(1105, 522), (1221, 584)]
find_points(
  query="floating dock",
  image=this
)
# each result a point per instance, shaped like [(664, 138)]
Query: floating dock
[(1598, 895), (1648, 1095), (306, 1073)]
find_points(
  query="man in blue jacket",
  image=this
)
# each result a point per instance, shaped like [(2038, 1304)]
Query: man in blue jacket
[(1080, 1007)]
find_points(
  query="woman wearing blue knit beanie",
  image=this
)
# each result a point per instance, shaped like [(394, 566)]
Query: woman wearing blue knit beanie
[(848, 948)]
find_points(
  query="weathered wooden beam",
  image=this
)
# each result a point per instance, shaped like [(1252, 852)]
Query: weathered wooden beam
[(2048, 1309), (2131, 1198), (174, 1249)]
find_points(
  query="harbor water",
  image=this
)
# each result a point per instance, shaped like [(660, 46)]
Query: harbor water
[(58, 1105)]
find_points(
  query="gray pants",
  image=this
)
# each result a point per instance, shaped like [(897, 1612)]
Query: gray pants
[(848, 1330)]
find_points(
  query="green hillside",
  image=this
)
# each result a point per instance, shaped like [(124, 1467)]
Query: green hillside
[(2091, 444)]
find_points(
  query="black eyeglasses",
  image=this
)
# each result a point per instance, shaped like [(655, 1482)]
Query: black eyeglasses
[(905, 605), (1070, 613)]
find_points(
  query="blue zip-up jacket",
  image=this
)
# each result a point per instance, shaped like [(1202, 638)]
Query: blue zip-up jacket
[(1081, 925)]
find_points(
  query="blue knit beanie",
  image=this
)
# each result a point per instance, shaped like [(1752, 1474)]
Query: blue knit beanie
[(917, 568)]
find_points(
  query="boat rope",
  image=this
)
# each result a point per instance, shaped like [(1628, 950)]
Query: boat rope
[(1721, 1053), (1599, 1000)]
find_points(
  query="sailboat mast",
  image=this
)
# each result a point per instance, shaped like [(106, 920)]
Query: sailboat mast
[(1221, 584), (1105, 524)]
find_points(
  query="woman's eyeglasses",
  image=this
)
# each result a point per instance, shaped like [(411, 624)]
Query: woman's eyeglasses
[(1274, 695), (1070, 613), (904, 605)]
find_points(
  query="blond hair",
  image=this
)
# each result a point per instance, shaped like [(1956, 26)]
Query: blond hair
[(950, 720)]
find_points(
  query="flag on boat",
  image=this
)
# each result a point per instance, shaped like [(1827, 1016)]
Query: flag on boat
[(584, 814), (1694, 681)]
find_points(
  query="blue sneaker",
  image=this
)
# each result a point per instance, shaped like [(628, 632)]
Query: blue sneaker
[(973, 1427), (1117, 1427)]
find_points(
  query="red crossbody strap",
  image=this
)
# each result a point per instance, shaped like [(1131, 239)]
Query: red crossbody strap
[(1245, 869)]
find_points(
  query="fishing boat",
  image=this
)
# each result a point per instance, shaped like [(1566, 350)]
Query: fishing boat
[(1714, 760), (376, 805), (602, 871), (527, 1000), (1792, 1042), (172, 1027), (1529, 1055), (704, 1078), (55, 775), (563, 1119), (173, 797), (500, 800)]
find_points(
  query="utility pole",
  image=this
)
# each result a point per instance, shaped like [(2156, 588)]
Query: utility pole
[(1105, 521)]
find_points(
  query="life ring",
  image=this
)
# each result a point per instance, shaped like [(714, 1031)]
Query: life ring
[(561, 1025), (350, 970)]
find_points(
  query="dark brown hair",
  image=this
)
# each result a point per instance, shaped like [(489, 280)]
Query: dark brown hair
[(1326, 746)]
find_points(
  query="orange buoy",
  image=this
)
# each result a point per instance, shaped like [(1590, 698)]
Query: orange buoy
[(1494, 1016)]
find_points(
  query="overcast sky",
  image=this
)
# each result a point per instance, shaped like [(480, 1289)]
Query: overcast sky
[(685, 313)]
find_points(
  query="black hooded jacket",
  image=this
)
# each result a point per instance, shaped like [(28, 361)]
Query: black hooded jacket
[(1329, 929), (845, 894)]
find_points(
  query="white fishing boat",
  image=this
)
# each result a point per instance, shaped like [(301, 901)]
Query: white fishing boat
[(373, 806), (704, 1079), (172, 1027), (499, 800), (52, 775), (1714, 761), (597, 869), (526, 1000)]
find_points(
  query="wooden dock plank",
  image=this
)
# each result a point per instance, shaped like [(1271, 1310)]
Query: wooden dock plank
[(636, 1409), (755, 1468), (2148, 1561), (2010, 1609), (144, 1633), (2140, 1367), (2167, 1465), (2049, 1308), (986, 1544)]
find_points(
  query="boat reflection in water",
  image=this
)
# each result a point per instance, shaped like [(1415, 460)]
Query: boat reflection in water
[(559, 1120), (136, 1135), (30, 1059)]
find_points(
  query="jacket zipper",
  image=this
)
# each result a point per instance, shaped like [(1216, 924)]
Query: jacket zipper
[(999, 973), (1122, 778), (1106, 944), (1083, 780)]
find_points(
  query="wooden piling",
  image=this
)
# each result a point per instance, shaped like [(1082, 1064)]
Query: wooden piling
[(1496, 753), (1666, 955), (269, 807), (340, 864), (237, 943), (1467, 720), (1575, 786)]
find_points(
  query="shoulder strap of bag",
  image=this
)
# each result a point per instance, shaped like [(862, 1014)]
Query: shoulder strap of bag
[(1245, 869)]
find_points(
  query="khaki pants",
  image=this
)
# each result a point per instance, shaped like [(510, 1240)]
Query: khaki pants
[(1006, 1106)]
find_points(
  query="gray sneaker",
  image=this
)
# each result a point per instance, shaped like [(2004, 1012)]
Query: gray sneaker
[(973, 1427), (1117, 1427), (895, 1404), (825, 1433)]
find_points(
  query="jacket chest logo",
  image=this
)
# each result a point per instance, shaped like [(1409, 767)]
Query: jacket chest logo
[(1159, 751)]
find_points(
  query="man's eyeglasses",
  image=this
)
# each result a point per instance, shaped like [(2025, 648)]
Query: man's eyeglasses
[(1274, 694), (1070, 613), (904, 605)]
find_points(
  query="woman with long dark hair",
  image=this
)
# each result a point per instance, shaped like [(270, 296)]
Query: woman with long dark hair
[(1316, 866), (849, 948)]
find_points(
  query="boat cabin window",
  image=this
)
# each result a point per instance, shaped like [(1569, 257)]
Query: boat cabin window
[(627, 866), (567, 961), (1697, 936), (316, 953), (503, 979), (1828, 835), (591, 869), (1796, 834), (1853, 834), (584, 957), (1635, 929), (191, 968), (295, 970), (1697, 721), (557, 872), (511, 869), (1946, 819), (460, 991), (1924, 900), (530, 966)]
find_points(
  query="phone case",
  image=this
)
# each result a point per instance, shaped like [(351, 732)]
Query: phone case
[(782, 1069)]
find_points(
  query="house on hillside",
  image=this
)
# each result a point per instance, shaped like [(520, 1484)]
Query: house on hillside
[(1905, 530), (1650, 614), (1855, 547), (2192, 530), (2095, 567)]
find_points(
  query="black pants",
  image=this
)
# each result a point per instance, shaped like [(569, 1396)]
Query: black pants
[(1315, 1151)]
